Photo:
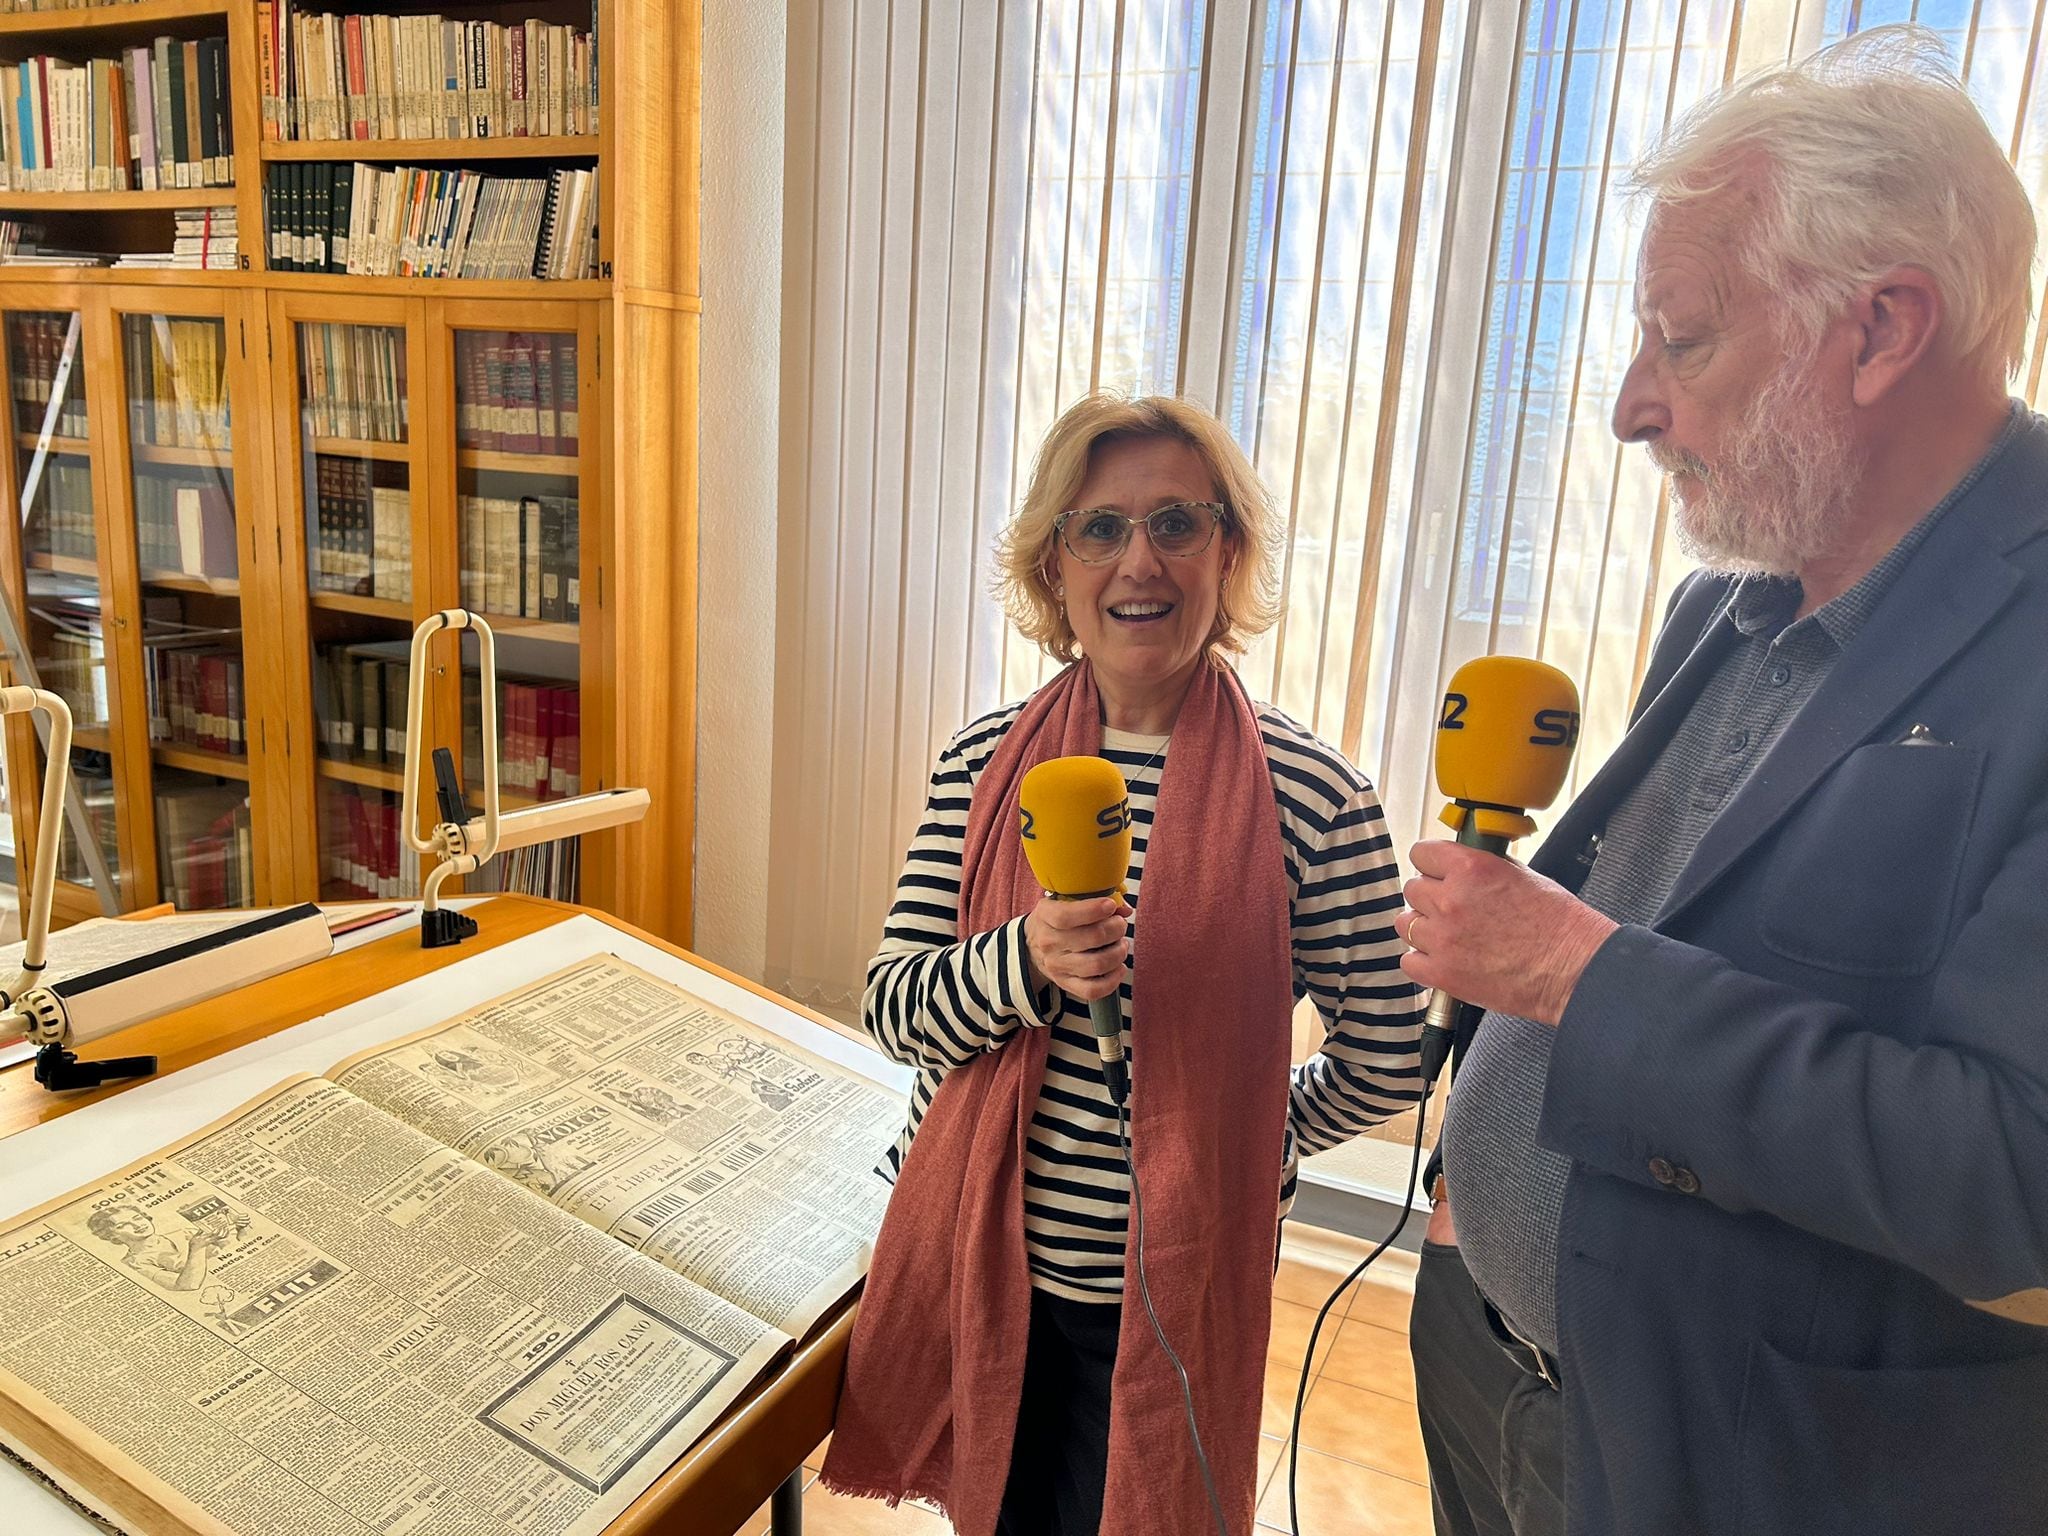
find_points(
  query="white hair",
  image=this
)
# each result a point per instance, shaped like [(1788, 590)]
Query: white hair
[(1869, 155)]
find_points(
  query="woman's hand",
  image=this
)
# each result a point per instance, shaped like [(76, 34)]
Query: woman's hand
[(1078, 946)]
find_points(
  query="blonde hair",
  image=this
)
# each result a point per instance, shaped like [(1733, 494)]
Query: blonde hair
[(1872, 156), (1025, 554)]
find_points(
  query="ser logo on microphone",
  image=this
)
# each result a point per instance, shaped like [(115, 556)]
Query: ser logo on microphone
[(1556, 728), (1112, 819)]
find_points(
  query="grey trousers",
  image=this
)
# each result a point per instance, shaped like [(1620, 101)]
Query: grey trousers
[(1493, 1432)]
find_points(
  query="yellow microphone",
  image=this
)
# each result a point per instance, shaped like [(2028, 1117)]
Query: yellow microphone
[(1074, 815), (1504, 743)]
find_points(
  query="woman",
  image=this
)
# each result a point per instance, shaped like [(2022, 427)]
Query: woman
[(993, 1370)]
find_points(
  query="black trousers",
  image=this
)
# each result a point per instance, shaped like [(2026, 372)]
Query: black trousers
[(1493, 1431), (1060, 1458)]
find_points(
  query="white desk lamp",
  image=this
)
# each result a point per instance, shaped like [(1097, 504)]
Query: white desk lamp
[(34, 1009), (461, 843), (36, 931), (80, 1005)]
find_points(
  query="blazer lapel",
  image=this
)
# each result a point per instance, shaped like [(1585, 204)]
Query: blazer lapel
[(1696, 636), (1952, 587)]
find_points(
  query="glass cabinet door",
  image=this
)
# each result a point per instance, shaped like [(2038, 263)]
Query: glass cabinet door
[(65, 621), (356, 497), (179, 425), (518, 442)]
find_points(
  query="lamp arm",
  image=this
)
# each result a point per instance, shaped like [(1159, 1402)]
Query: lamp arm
[(49, 828), (468, 856)]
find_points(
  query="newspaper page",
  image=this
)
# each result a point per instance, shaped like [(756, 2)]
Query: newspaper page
[(310, 1318), (737, 1159)]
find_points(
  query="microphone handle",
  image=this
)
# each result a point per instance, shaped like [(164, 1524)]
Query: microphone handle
[(1439, 1024), (1106, 1022)]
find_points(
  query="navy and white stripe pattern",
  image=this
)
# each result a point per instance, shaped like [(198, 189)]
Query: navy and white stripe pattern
[(933, 1001)]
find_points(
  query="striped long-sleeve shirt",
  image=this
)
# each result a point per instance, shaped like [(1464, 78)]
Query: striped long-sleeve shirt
[(934, 1001)]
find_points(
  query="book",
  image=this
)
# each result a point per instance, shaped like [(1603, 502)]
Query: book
[(147, 116), (204, 239), (426, 222), (516, 392), (38, 348), (378, 76), (530, 557), (361, 536), (60, 522), (352, 381), (359, 701), (178, 375), (206, 531), (194, 695), (577, 1223), (201, 828)]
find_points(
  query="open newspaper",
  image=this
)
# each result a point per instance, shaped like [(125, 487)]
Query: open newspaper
[(494, 1277)]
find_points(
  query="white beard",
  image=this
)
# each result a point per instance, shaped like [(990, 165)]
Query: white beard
[(1778, 500)]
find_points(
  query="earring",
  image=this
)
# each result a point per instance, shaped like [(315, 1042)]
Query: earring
[(1060, 591)]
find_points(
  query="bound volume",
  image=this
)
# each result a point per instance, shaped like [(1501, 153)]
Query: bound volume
[(495, 1277)]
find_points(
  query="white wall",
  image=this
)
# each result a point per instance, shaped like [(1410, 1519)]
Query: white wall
[(744, 51)]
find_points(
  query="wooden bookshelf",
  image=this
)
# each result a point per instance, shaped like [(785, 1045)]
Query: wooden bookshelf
[(369, 607), (171, 453), (66, 565), (405, 151), (72, 445), (110, 23), (312, 282), (113, 202), (534, 629), (365, 774), (185, 581), (362, 448), (515, 463), (635, 337), (197, 760)]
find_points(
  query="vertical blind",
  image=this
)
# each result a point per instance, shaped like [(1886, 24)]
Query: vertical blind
[(1385, 240)]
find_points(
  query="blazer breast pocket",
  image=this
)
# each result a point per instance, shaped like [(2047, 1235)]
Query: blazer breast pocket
[(1863, 879)]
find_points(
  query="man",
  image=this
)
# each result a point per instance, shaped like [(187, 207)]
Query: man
[(1748, 1159)]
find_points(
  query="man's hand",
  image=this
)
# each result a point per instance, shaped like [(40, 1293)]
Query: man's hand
[(1078, 946), (1489, 931)]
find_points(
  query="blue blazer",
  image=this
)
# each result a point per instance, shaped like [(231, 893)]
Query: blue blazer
[(1806, 1107)]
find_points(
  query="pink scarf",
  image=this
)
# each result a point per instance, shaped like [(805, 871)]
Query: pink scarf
[(936, 1369)]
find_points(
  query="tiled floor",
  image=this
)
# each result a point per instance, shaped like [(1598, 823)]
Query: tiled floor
[(1362, 1472)]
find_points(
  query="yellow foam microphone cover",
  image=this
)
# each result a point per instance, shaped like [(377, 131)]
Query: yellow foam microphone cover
[(1074, 814), (1504, 742)]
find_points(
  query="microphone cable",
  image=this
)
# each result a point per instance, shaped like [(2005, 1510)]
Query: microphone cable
[(1407, 1207), (1123, 1127)]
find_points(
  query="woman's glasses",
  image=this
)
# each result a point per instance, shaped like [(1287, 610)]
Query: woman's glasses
[(1182, 530)]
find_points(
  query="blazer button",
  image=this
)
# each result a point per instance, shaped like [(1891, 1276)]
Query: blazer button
[(1662, 1171), (1685, 1181)]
